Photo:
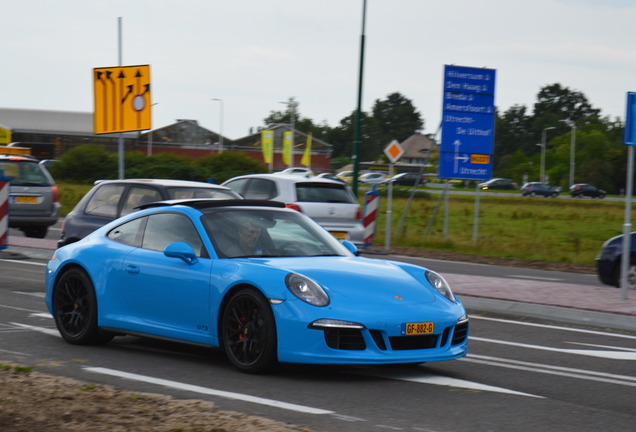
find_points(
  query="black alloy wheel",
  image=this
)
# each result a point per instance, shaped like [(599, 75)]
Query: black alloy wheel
[(75, 309), (248, 332)]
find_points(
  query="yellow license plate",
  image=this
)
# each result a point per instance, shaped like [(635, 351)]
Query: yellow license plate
[(340, 235), (418, 328), (26, 200)]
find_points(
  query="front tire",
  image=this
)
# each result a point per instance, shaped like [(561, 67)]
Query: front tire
[(75, 309), (248, 332)]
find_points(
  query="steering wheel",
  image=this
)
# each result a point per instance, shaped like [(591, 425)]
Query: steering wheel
[(293, 246)]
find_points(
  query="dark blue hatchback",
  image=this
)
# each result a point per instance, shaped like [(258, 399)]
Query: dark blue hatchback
[(538, 189), (608, 262)]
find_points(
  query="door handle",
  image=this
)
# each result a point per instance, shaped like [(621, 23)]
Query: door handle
[(132, 269)]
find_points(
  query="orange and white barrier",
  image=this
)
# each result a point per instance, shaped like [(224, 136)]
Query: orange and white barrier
[(4, 210)]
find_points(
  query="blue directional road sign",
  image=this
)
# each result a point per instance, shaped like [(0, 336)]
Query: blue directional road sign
[(629, 134), (468, 123)]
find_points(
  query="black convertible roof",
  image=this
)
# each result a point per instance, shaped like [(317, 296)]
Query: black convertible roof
[(201, 203)]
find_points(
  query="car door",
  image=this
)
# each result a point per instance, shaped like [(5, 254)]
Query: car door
[(167, 296)]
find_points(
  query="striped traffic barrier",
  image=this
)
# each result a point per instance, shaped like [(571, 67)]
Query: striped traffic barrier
[(4, 210), (369, 215)]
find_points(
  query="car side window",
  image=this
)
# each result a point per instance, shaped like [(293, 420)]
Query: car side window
[(165, 228), (104, 201), (261, 189), (138, 196), (237, 185), (128, 233)]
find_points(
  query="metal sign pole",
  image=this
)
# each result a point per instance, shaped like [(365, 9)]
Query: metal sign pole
[(389, 202), (627, 226)]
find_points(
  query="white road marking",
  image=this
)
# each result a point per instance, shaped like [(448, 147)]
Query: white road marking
[(603, 346), (24, 262), (614, 355), (529, 324), (48, 331), (34, 294), (208, 391), (552, 370), (41, 315), (17, 308), (427, 378)]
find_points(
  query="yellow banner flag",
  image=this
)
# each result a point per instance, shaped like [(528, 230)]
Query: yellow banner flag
[(267, 138), (306, 160), (287, 147)]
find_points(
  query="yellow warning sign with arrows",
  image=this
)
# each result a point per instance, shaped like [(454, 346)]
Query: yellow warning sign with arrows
[(122, 99)]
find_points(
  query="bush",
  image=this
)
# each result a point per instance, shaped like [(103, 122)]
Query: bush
[(85, 164), (224, 166)]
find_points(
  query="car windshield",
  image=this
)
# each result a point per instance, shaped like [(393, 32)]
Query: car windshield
[(240, 233), (199, 192), (25, 173)]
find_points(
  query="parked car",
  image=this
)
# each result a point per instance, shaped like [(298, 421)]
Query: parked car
[(110, 199), (407, 179), (373, 178), (328, 202), (300, 297), (307, 172), (581, 190), (34, 203), (608, 262), (346, 176), (538, 189), (498, 183)]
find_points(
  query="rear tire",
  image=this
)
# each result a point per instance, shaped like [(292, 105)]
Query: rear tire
[(75, 309)]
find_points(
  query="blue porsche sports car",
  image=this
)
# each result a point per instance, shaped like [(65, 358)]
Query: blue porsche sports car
[(266, 283)]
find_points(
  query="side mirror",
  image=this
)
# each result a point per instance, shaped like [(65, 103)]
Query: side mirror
[(350, 247), (183, 251)]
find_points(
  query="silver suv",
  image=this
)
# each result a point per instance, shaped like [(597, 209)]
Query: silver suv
[(328, 202), (34, 203)]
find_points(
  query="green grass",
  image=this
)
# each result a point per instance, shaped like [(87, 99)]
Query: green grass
[(542, 229)]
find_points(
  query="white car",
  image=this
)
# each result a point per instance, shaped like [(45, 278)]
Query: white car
[(330, 203), (373, 178)]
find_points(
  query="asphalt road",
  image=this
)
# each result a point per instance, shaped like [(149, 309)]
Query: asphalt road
[(519, 375)]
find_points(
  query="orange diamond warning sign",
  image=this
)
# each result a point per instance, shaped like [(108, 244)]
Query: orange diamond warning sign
[(394, 151)]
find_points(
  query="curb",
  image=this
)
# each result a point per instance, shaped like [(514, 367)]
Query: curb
[(550, 313)]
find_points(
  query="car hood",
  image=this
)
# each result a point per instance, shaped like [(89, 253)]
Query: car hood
[(359, 278)]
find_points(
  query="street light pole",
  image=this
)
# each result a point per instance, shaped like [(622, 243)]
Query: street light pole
[(572, 147), (220, 125), (542, 175)]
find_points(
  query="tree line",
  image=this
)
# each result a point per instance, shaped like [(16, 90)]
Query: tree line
[(600, 155)]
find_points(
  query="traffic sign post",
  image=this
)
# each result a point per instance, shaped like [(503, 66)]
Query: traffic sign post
[(122, 99), (629, 139)]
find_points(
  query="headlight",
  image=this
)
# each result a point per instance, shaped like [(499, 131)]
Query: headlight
[(306, 289), (440, 284)]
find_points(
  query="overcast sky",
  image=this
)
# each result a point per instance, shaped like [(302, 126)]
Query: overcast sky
[(253, 54)]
